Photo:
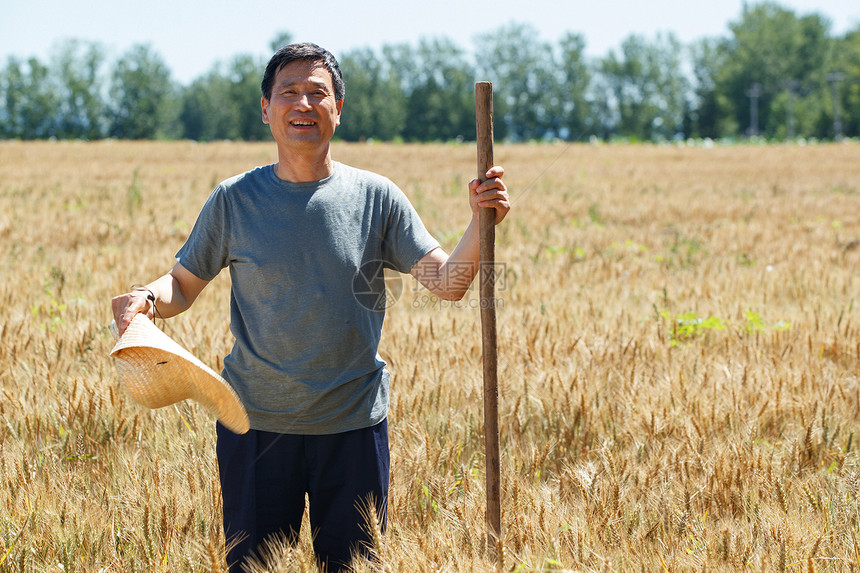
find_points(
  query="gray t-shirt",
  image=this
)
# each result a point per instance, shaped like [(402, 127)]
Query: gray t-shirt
[(305, 262)]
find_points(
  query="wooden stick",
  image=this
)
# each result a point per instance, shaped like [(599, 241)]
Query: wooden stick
[(487, 216)]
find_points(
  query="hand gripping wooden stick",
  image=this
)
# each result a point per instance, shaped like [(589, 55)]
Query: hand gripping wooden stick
[(487, 220)]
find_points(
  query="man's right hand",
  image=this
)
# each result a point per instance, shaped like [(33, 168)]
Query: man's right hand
[(125, 306), (174, 293)]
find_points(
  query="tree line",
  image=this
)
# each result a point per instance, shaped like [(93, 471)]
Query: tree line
[(777, 75)]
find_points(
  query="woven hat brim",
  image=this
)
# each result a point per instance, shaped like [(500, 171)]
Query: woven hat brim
[(157, 372)]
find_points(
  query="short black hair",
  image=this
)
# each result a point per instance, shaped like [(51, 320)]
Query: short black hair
[(302, 51)]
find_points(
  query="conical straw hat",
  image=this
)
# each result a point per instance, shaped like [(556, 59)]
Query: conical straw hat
[(157, 372)]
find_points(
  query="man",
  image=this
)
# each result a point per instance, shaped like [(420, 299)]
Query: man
[(296, 236)]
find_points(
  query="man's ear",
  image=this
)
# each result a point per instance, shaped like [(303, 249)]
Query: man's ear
[(264, 105), (339, 109)]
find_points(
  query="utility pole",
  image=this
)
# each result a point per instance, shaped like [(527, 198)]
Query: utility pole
[(790, 86), (835, 78), (754, 93)]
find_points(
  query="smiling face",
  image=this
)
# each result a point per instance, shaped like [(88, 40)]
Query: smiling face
[(302, 112)]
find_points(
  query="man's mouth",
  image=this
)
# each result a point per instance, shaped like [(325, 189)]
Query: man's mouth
[(302, 123)]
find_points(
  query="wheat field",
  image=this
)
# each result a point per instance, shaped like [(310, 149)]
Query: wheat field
[(678, 346)]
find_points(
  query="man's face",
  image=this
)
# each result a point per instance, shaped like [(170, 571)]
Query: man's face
[(302, 112)]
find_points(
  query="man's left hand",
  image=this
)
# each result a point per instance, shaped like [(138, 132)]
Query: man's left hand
[(491, 193)]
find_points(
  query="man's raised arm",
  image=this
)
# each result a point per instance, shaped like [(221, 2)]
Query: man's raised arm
[(449, 276)]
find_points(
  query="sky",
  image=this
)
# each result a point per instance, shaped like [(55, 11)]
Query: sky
[(192, 35)]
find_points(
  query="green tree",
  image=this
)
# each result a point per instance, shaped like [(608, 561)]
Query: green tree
[(374, 106), (441, 106), (225, 103), (847, 50), (208, 111), (141, 90), (199, 115), (193, 111), (524, 73), (77, 68), (771, 49), (14, 94), (437, 82), (30, 103), (647, 87), (707, 56), (244, 74), (572, 105), (280, 40)]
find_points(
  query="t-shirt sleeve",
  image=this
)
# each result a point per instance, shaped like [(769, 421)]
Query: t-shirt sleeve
[(205, 252), (407, 240)]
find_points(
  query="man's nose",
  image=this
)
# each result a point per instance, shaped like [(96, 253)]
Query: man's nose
[(303, 102)]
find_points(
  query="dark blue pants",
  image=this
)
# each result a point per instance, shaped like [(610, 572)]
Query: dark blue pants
[(264, 478)]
